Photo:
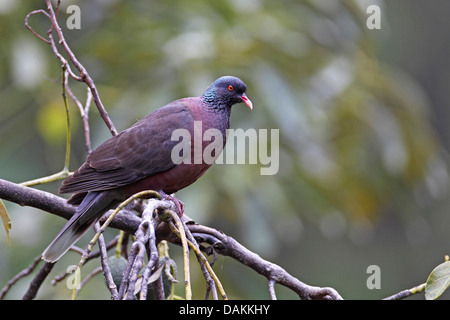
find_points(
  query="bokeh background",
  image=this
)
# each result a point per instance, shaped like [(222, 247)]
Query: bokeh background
[(363, 119)]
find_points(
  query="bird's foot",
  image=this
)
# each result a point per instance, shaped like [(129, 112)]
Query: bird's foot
[(178, 203)]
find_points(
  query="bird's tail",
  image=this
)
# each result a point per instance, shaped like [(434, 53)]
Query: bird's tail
[(93, 206)]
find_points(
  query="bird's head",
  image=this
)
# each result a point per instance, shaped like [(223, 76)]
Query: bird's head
[(227, 91)]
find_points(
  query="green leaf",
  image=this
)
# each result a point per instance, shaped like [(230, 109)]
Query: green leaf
[(438, 281), (5, 219)]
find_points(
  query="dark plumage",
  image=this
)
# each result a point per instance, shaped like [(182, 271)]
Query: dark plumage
[(139, 158)]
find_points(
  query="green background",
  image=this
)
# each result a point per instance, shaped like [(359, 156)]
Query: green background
[(363, 119)]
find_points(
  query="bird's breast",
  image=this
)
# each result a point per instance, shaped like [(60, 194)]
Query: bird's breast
[(169, 181)]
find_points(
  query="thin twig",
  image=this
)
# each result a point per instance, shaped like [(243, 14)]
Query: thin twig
[(126, 273), (147, 216), (204, 260), (158, 285), (273, 296), (88, 278), (105, 266), (182, 235), (136, 265), (206, 267), (19, 276), (37, 281), (163, 249), (407, 293), (65, 171), (92, 255), (27, 25), (84, 75), (84, 111), (85, 117)]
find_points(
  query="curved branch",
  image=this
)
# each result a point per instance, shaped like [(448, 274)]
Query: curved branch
[(84, 75), (26, 196), (407, 293), (228, 246), (37, 281), (124, 220), (27, 25), (19, 276)]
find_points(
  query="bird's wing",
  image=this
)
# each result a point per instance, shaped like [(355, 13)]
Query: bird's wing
[(138, 152)]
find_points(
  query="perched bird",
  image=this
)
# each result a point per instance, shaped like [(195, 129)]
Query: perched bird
[(140, 158)]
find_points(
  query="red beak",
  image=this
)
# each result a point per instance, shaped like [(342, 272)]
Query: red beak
[(247, 101)]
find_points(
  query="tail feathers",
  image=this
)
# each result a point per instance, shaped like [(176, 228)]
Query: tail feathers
[(64, 241), (93, 206), (77, 198)]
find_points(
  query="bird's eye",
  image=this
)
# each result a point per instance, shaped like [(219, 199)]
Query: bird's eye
[(230, 88)]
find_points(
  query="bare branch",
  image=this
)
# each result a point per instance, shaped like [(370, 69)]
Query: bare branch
[(89, 277), (27, 25), (105, 266), (37, 281), (206, 267), (91, 256), (84, 75), (51, 203), (124, 220), (272, 289), (227, 246), (84, 112), (20, 275), (149, 229), (407, 293)]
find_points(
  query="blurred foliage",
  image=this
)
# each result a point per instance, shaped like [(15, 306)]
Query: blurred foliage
[(363, 173)]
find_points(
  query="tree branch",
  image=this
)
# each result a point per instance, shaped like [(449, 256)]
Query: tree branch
[(84, 75), (51, 203), (227, 246), (37, 281), (407, 293), (20, 275), (105, 266), (221, 243)]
